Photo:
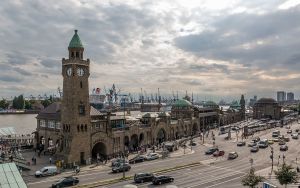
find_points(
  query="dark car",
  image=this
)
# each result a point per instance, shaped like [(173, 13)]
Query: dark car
[(284, 148), (143, 177), (232, 155), (162, 179), (137, 159), (289, 131), (218, 153), (242, 143), (211, 151), (118, 161), (121, 167), (66, 182), (254, 149)]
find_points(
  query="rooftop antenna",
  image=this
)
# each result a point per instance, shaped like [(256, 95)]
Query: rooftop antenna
[(159, 98)]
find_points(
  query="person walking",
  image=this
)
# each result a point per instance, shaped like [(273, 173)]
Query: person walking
[(50, 160)]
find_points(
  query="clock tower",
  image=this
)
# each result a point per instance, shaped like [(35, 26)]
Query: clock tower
[(75, 106)]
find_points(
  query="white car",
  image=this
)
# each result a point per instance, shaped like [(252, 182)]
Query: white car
[(151, 156), (46, 171), (295, 136)]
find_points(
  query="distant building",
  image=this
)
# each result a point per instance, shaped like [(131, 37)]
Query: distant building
[(281, 96), (252, 101), (266, 108), (290, 96)]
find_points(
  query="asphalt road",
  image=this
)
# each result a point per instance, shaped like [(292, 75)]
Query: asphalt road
[(214, 172)]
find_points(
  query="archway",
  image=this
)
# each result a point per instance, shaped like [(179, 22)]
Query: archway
[(141, 139), (134, 142), (161, 136), (99, 149)]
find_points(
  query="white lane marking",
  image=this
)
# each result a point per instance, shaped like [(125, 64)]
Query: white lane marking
[(223, 182)]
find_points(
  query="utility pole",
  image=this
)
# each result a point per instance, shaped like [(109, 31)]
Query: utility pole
[(272, 158)]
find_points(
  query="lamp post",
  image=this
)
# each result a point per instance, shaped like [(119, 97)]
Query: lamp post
[(272, 158), (124, 123)]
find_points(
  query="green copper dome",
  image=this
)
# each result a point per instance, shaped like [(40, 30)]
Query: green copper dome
[(235, 105), (210, 104), (75, 41), (182, 103)]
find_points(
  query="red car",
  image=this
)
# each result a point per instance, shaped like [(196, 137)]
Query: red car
[(219, 153)]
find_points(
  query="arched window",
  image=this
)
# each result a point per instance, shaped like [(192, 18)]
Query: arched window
[(72, 54), (85, 127), (78, 128), (81, 127), (77, 54), (80, 84)]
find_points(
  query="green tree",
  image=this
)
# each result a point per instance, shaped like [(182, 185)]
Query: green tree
[(251, 180), (286, 175), (28, 105), (4, 104), (46, 102), (19, 102)]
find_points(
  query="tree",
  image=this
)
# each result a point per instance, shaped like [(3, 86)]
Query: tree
[(4, 104), (28, 105), (251, 179), (46, 102), (18, 102), (286, 175)]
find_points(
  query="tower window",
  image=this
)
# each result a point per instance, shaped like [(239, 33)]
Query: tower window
[(78, 128), (81, 110), (80, 84), (81, 127), (77, 54), (81, 56), (85, 127), (72, 55)]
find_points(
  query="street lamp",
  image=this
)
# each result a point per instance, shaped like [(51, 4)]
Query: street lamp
[(272, 157)]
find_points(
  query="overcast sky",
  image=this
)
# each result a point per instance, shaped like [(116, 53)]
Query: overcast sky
[(217, 49)]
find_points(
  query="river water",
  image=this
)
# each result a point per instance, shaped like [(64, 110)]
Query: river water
[(23, 123)]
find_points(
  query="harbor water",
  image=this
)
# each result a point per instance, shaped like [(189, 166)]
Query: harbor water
[(22, 123)]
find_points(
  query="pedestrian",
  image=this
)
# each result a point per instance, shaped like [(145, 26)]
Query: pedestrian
[(50, 160)]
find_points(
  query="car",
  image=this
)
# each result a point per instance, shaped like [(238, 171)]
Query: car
[(143, 177), (151, 156), (275, 139), (256, 139), (271, 141), (117, 161), (284, 148), (66, 182), (218, 153), (158, 180), (46, 171), (254, 149), (121, 167), (287, 127), (295, 136), (137, 159), (281, 142), (289, 131), (252, 143), (297, 130), (232, 155), (211, 151), (241, 143)]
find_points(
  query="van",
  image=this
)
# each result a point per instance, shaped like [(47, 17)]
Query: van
[(276, 133), (46, 171), (263, 143)]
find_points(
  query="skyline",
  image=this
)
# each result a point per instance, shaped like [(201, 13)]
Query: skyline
[(205, 47)]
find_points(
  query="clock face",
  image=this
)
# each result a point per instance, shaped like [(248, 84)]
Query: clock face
[(80, 72), (69, 71)]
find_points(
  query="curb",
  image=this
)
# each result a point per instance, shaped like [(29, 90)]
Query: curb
[(112, 181)]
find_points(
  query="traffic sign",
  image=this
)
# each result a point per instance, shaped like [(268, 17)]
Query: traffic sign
[(268, 185)]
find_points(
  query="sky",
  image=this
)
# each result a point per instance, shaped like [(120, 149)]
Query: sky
[(215, 49)]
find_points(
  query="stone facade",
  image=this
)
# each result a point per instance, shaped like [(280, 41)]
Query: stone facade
[(266, 108)]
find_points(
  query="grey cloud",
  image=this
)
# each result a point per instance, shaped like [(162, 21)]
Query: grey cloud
[(50, 63), (10, 78), (280, 45), (22, 71)]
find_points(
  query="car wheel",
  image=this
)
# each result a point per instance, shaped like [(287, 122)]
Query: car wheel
[(159, 183), (74, 183), (117, 171), (57, 186), (172, 180), (142, 181)]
